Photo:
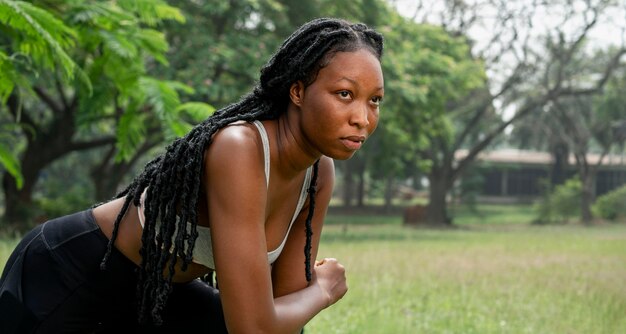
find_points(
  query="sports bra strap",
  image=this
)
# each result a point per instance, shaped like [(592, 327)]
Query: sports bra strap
[(266, 150)]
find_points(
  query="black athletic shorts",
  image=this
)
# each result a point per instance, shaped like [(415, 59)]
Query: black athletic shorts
[(52, 283)]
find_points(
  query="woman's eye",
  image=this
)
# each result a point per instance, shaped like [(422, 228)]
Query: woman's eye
[(376, 100), (344, 94)]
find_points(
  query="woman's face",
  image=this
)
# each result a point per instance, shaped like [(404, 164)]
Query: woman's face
[(340, 108)]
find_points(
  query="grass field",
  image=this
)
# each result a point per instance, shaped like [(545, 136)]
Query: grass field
[(491, 275), (478, 279)]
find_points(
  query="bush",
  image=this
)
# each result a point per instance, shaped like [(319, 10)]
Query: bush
[(611, 206), (560, 204)]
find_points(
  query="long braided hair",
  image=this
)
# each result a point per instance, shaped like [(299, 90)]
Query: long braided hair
[(173, 179)]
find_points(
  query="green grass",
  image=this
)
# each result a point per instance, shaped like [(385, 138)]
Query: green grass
[(493, 274), (362, 219), (492, 214), (484, 214), (485, 279)]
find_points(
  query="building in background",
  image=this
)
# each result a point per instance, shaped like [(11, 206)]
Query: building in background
[(518, 175)]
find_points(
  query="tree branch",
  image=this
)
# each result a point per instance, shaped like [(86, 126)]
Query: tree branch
[(86, 145), (14, 105), (48, 100), (473, 152), (565, 58), (608, 72), (484, 105), (61, 93)]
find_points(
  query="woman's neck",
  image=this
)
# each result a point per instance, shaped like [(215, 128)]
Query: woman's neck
[(295, 154)]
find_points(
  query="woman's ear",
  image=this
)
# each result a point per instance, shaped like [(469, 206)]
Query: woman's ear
[(296, 93)]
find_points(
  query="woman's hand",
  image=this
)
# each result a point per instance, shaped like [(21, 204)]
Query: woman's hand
[(330, 276)]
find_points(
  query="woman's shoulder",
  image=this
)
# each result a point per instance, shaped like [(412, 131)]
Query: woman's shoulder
[(236, 143), (237, 133), (326, 173), (238, 137)]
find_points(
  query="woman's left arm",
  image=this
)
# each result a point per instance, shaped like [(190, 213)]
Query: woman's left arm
[(288, 272)]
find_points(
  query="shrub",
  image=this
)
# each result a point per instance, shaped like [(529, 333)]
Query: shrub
[(611, 206), (560, 204)]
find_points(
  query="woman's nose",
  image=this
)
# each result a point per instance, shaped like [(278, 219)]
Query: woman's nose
[(359, 117)]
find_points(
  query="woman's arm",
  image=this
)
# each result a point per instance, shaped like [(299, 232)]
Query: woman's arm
[(328, 285), (288, 270), (288, 277), (237, 200)]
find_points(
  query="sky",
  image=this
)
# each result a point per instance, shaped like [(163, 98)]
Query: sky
[(609, 29)]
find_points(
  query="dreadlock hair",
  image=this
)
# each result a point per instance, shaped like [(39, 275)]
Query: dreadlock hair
[(173, 179)]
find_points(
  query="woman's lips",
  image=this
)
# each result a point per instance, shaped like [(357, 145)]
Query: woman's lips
[(353, 142)]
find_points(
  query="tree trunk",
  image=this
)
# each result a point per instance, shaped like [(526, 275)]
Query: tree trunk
[(108, 175), (388, 192), (348, 185), (558, 173), (360, 195), (107, 180), (440, 183), (587, 196), (39, 153), (44, 146), (17, 202)]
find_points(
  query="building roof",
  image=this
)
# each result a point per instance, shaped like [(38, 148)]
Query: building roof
[(515, 156)]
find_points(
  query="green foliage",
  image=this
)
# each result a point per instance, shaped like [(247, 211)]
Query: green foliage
[(38, 40), (150, 12), (470, 187), (611, 206), (426, 69), (120, 32), (560, 204), (176, 118), (9, 161), (39, 35), (74, 199), (11, 164), (111, 44), (10, 75), (79, 71), (610, 107), (193, 112), (222, 45)]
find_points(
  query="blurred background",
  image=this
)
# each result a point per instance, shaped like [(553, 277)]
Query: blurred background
[(490, 199)]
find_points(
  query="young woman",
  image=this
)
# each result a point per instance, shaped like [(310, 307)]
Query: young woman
[(243, 196)]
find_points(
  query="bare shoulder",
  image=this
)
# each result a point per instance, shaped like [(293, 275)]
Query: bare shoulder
[(234, 162), (236, 143), (237, 134), (326, 174)]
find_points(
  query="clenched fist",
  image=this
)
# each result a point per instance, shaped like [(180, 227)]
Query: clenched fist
[(330, 275)]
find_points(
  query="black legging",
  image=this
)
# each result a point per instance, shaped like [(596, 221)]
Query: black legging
[(52, 283)]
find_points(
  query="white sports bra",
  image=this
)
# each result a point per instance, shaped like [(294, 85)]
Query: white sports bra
[(203, 249)]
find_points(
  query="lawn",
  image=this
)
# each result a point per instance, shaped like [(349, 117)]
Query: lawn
[(478, 279), (490, 275)]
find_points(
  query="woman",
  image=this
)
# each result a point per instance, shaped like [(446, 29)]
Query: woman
[(243, 196)]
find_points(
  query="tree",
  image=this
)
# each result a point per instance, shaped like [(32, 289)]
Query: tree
[(535, 132), (580, 124), (222, 45), (585, 122), (430, 70), (79, 81), (526, 59)]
